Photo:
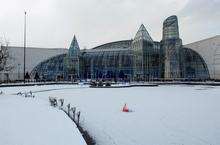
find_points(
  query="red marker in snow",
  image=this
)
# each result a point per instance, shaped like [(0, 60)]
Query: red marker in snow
[(125, 108)]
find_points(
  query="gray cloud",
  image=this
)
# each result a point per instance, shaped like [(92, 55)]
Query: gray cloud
[(200, 19), (52, 23)]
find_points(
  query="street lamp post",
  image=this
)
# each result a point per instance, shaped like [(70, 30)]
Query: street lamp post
[(25, 13), (19, 65)]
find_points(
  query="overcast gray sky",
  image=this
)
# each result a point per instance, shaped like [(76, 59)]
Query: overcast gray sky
[(52, 23)]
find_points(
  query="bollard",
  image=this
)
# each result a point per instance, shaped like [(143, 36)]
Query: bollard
[(78, 118), (61, 102), (68, 109), (74, 112), (55, 102)]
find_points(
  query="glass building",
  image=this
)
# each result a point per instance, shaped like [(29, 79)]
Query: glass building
[(139, 59)]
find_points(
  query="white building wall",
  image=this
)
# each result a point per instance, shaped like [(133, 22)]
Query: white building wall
[(33, 57), (209, 49)]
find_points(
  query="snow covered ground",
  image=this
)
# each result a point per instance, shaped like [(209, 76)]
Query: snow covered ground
[(31, 121), (164, 115)]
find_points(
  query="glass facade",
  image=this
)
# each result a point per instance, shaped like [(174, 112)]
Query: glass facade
[(130, 60), (171, 28), (171, 45), (51, 69), (146, 56), (107, 65), (193, 66)]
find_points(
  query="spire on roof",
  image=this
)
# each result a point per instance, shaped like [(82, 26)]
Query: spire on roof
[(74, 47), (143, 34)]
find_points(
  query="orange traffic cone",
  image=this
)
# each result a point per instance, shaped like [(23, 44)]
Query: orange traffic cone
[(125, 108)]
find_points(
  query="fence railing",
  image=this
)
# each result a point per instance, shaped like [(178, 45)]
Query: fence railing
[(74, 115), (71, 112)]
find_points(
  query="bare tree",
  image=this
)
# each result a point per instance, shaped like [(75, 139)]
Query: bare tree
[(4, 56)]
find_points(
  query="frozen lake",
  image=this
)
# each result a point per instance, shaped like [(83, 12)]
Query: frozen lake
[(164, 115)]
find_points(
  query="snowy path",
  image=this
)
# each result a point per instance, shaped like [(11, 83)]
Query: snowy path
[(28, 121), (165, 115)]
